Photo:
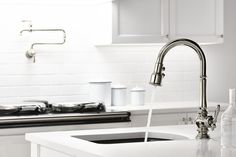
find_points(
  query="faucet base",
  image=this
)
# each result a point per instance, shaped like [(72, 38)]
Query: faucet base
[(202, 136), (202, 131)]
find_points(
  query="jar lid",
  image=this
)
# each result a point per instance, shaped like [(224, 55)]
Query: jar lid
[(118, 86), (137, 89), (98, 81)]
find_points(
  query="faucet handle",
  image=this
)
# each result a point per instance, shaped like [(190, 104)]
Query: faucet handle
[(216, 114), (34, 59)]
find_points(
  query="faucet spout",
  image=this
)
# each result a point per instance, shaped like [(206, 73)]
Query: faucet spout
[(25, 30), (157, 75)]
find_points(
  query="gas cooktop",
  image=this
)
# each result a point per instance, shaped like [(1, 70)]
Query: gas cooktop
[(41, 113), (37, 107)]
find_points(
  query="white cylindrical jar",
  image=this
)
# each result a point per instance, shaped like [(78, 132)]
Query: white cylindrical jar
[(137, 96), (118, 95), (100, 91)]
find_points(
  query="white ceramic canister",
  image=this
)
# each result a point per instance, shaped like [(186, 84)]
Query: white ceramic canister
[(137, 96), (100, 91), (118, 95)]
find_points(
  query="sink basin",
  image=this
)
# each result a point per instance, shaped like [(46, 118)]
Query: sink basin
[(129, 137)]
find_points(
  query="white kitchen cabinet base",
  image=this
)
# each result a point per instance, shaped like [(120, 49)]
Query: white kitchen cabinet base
[(14, 146), (13, 143), (41, 151), (38, 150)]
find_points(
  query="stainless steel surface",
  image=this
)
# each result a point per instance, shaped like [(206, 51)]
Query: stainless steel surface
[(38, 101), (203, 121), (31, 53), (7, 107), (22, 108), (6, 110), (41, 108), (78, 107), (42, 113), (71, 107), (74, 104), (63, 119)]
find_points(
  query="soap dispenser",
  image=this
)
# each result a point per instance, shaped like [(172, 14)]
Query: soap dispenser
[(228, 122)]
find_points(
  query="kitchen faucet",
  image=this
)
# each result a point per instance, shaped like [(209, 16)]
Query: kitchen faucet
[(203, 120)]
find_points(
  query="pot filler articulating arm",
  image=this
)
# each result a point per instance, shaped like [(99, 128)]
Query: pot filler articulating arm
[(31, 52)]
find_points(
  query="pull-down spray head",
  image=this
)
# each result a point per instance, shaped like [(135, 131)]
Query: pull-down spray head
[(157, 75)]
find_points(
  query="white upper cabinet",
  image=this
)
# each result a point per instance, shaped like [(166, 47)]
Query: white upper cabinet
[(140, 21), (159, 21), (200, 20)]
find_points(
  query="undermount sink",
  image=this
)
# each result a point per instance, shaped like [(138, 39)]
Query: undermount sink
[(129, 137)]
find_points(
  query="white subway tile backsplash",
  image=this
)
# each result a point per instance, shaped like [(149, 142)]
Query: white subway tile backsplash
[(49, 90), (191, 95), (191, 76), (181, 53), (62, 72), (44, 80), (173, 76)]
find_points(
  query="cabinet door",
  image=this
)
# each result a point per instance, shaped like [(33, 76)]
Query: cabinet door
[(199, 20), (140, 21), (14, 146)]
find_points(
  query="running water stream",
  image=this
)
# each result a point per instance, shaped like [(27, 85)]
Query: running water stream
[(149, 118)]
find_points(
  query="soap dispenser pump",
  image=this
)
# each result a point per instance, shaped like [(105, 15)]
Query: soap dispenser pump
[(228, 122)]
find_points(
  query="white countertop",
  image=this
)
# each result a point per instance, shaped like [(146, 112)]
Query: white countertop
[(169, 107), (64, 142)]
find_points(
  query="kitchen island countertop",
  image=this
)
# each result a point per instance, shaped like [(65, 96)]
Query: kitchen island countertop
[(65, 143)]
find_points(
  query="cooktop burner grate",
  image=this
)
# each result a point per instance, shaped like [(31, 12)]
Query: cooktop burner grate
[(43, 107)]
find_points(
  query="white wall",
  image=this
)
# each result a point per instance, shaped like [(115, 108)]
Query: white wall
[(62, 72), (222, 58)]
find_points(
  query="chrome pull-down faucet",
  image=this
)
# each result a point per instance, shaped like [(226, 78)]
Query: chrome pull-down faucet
[(203, 121)]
